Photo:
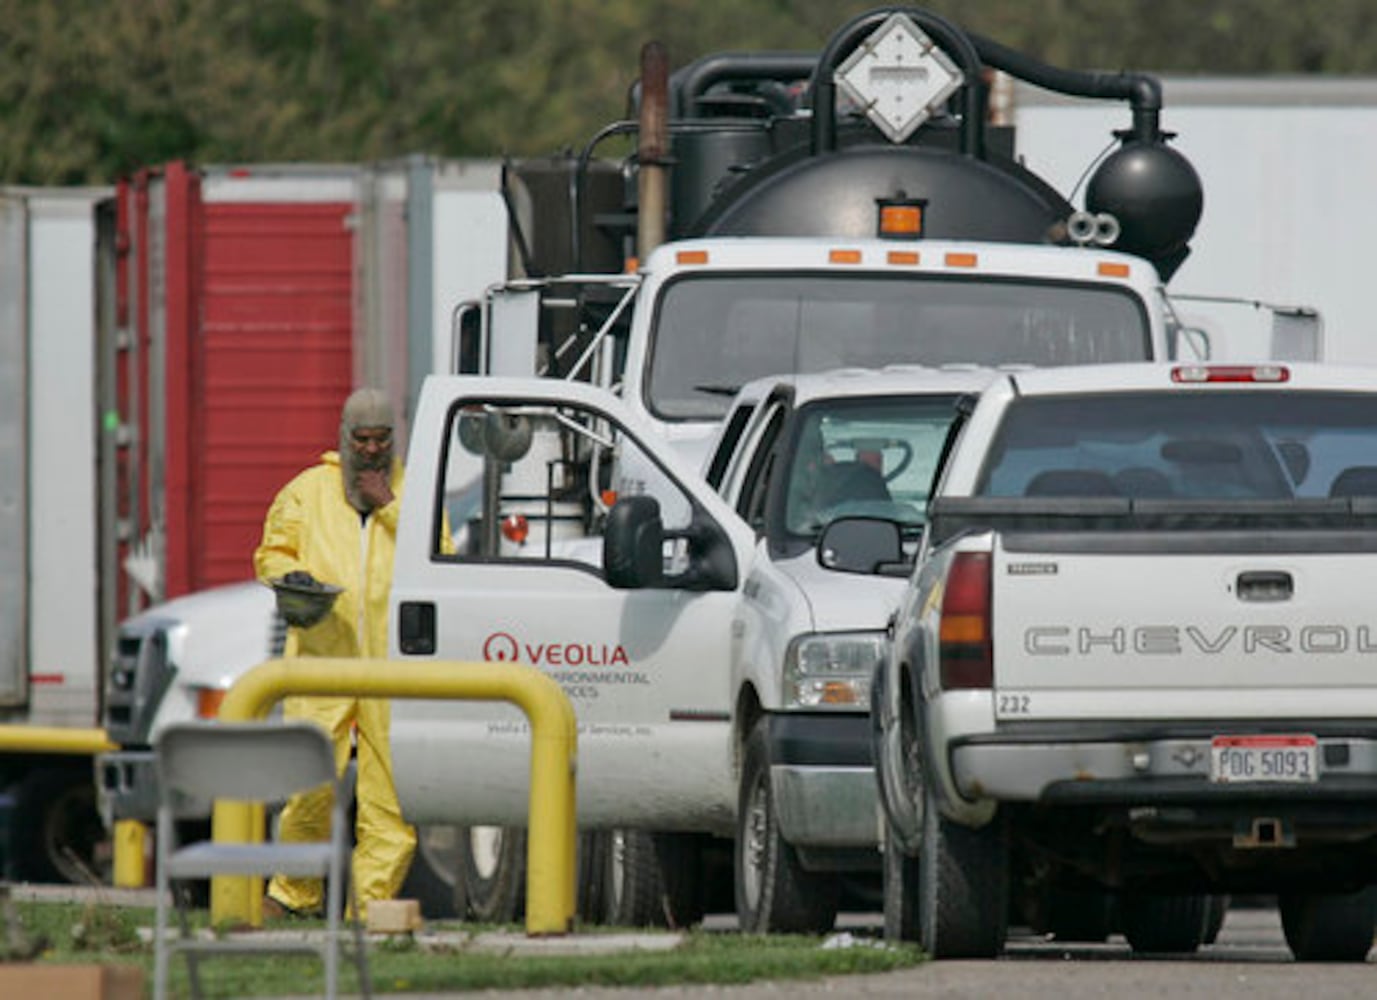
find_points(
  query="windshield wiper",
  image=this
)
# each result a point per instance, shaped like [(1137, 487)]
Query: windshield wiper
[(718, 390)]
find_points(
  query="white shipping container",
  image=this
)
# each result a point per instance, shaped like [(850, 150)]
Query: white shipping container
[(1286, 164)]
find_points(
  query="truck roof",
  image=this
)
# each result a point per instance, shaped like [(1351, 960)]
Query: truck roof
[(955, 257), (1190, 376), (891, 380)]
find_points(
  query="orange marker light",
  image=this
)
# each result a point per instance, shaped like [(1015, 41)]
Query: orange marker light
[(844, 257), (905, 221), (903, 258), (1106, 269), (609, 498), (691, 257), (208, 702), (515, 527), (837, 693), (961, 260)]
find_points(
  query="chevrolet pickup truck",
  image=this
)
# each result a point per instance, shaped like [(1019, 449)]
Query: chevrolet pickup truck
[(1135, 662), (717, 638)]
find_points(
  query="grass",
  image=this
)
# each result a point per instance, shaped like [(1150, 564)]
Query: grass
[(99, 933)]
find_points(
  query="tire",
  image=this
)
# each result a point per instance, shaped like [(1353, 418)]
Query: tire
[(653, 879), (1329, 927), (632, 880), (434, 872), (493, 862), (1164, 925), (683, 872), (590, 885), (963, 886), (57, 833), (775, 894), (901, 893), (1216, 911)]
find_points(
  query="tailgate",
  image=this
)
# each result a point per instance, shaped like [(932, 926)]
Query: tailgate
[(1175, 625)]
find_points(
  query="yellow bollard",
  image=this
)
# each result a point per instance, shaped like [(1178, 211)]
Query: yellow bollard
[(131, 854), (554, 736)]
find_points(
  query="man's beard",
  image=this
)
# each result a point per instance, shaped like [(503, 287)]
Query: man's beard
[(351, 465)]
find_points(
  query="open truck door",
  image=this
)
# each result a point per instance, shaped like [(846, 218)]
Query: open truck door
[(515, 475)]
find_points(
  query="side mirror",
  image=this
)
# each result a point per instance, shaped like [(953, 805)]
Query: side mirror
[(862, 545), (633, 544), (1297, 334), (1194, 339)]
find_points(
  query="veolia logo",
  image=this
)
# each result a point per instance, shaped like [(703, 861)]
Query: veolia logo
[(503, 647), (500, 647)]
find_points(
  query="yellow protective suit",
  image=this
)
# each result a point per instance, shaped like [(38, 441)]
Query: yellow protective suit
[(311, 526)]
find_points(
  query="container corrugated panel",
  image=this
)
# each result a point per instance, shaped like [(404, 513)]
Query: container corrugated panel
[(273, 366)]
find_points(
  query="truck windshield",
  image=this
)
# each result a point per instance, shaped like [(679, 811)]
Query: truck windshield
[(864, 457), (715, 332), (1198, 446)]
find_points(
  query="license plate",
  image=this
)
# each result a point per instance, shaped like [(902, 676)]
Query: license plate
[(1286, 759)]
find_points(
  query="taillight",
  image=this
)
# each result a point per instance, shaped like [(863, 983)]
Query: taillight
[(1230, 373), (965, 657)]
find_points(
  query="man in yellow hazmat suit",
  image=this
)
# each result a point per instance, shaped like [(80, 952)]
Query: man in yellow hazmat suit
[(336, 524)]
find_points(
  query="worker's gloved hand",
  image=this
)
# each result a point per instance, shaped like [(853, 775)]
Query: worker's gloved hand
[(302, 600)]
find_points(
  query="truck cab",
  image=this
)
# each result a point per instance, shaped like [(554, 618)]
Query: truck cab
[(715, 637)]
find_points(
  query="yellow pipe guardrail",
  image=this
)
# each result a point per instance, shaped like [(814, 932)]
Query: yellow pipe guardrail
[(51, 739), (554, 735)]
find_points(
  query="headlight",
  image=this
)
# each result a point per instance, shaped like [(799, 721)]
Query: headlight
[(832, 670)]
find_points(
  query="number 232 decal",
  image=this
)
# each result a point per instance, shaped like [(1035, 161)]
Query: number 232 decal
[(1014, 704)]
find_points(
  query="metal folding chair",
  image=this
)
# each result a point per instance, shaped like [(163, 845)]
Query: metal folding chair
[(199, 762)]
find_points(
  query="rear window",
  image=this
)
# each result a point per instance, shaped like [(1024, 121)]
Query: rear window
[(1198, 445)]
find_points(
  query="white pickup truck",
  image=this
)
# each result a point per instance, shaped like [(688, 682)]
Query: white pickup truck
[(1135, 663), (717, 638)]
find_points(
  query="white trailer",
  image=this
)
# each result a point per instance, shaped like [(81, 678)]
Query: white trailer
[(51, 630)]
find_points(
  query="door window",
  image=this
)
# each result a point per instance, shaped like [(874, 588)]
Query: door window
[(534, 481)]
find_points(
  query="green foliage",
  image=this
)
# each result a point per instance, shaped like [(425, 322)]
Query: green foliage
[(90, 90)]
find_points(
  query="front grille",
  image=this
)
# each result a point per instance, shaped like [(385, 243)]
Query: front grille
[(140, 673)]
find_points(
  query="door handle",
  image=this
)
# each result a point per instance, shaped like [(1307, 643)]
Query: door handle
[(1264, 585), (416, 628)]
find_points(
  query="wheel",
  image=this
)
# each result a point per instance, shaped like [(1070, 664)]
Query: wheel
[(493, 862), (901, 892), (1156, 925), (57, 834), (434, 872), (774, 892), (632, 879), (1329, 927), (652, 879), (683, 867), (1216, 911), (963, 886), (590, 885)]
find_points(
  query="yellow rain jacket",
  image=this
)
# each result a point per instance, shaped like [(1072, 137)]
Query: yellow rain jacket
[(311, 526)]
